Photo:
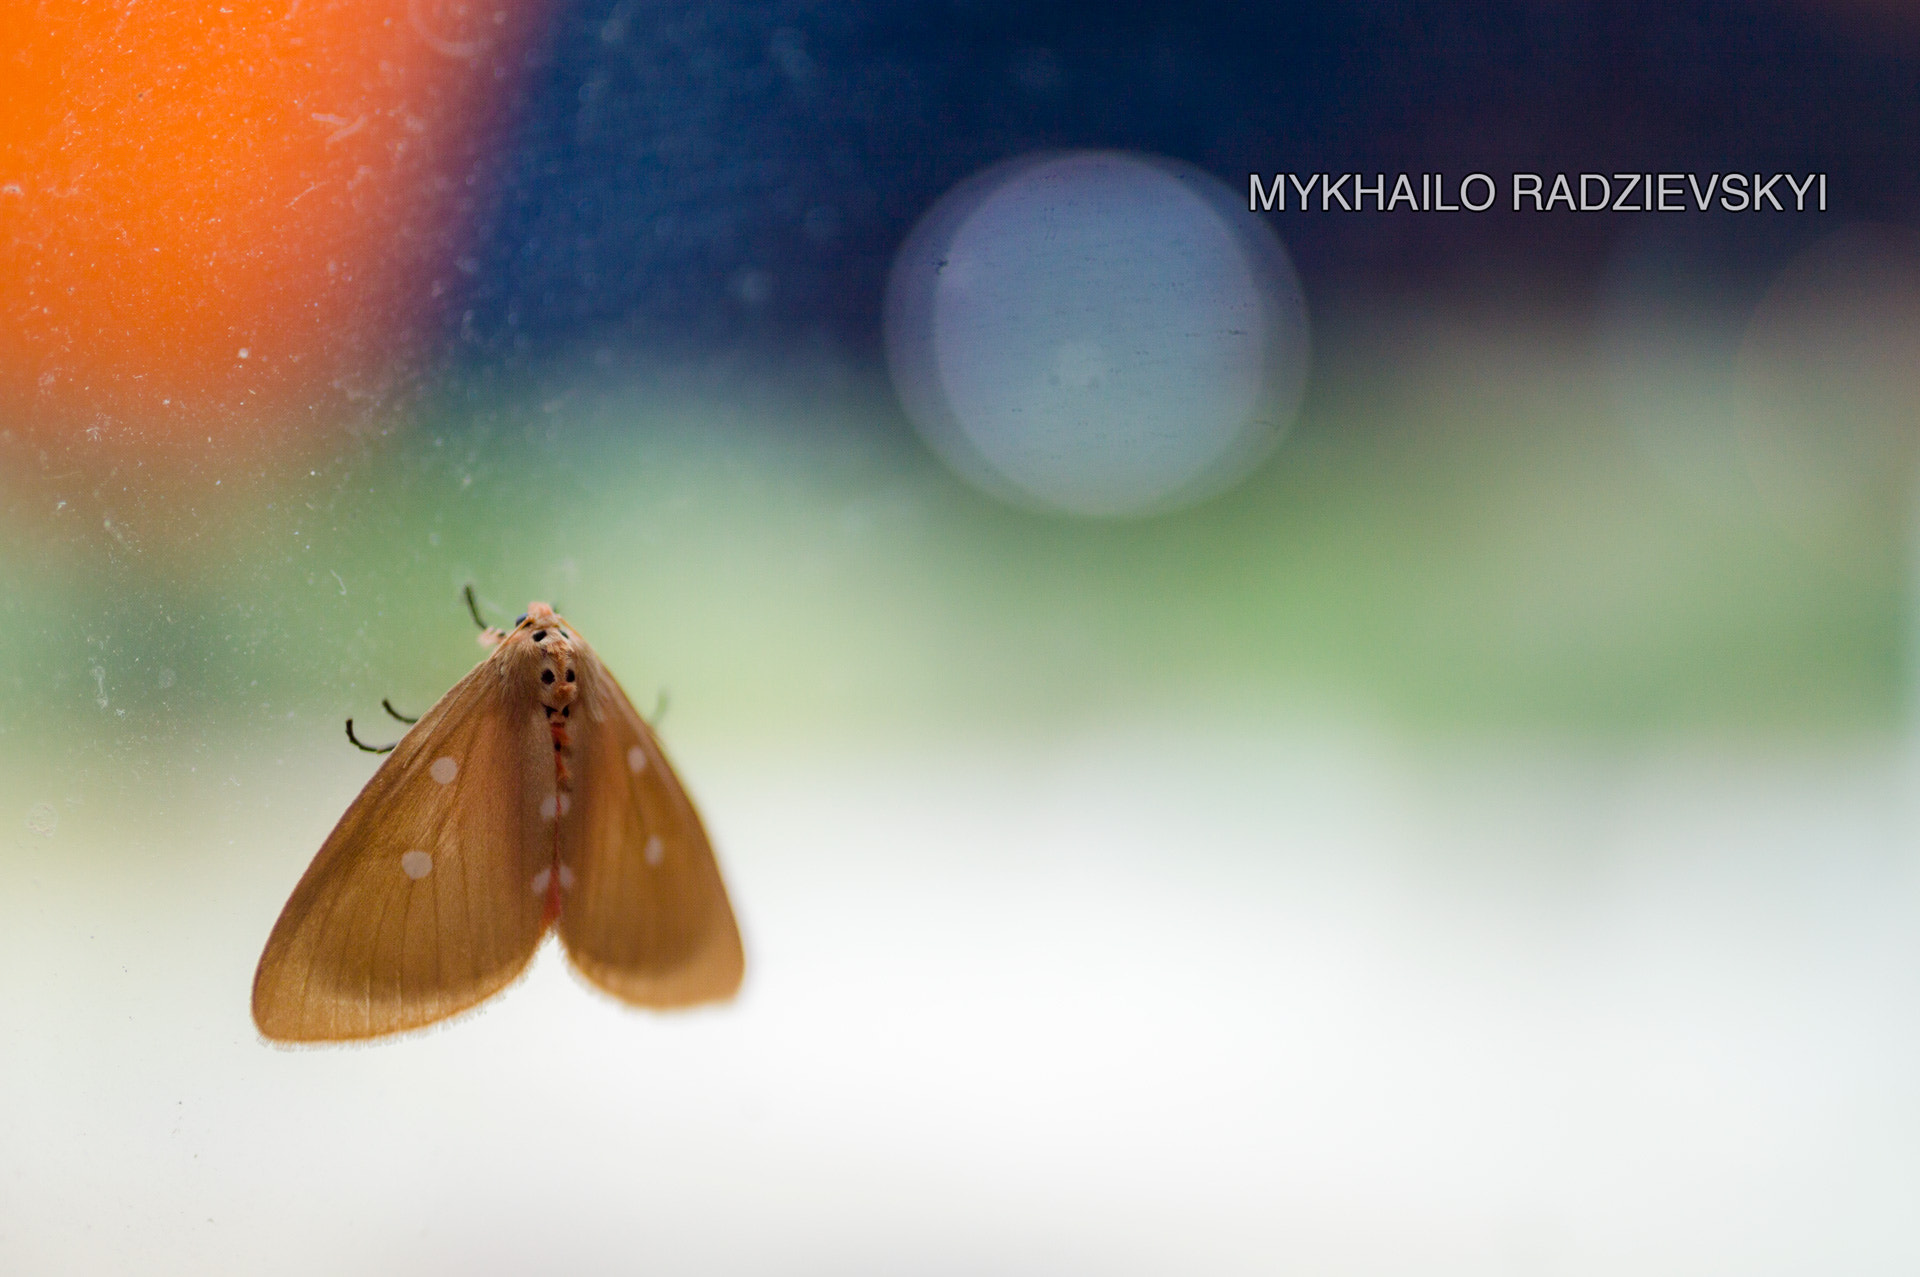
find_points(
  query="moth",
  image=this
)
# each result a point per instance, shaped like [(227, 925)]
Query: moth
[(531, 797)]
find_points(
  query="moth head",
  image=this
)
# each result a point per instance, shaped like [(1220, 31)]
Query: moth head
[(543, 651)]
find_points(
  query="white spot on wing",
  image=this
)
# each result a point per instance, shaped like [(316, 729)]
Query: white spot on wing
[(548, 806), (566, 878), (418, 864), (540, 881), (444, 770), (636, 760), (656, 851)]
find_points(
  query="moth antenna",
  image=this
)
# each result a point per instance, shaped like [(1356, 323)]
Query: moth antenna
[(488, 637), (383, 749), (388, 706)]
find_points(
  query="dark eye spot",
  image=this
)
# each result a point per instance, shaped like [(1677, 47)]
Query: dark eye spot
[(567, 712), (569, 676), (549, 710), (556, 747), (522, 620), (539, 636), (546, 676)]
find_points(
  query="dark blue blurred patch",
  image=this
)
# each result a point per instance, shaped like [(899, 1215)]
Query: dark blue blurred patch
[(699, 174)]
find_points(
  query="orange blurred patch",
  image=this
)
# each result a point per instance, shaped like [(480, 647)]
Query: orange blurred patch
[(229, 220)]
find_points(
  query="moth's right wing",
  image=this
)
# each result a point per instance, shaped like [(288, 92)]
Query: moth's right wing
[(647, 917), (421, 902)]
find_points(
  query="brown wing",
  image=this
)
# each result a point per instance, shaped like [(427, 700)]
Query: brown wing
[(645, 915), (420, 903)]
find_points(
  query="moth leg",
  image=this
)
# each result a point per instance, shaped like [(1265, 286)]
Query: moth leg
[(371, 749)]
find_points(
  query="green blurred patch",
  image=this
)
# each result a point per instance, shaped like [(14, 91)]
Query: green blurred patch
[(1462, 540)]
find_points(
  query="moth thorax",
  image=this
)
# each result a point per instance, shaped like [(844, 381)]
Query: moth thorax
[(559, 674)]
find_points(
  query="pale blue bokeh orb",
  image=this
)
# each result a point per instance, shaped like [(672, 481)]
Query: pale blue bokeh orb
[(1097, 333)]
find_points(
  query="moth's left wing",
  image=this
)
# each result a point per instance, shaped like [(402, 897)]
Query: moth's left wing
[(421, 902)]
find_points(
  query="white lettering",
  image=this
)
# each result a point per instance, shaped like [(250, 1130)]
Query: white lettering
[(1483, 205)]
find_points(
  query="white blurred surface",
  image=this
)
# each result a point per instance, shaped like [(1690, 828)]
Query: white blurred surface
[(1152, 1000)]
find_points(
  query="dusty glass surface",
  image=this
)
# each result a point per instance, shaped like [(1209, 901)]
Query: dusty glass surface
[(1477, 838)]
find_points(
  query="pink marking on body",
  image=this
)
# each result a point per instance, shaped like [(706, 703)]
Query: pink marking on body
[(558, 691)]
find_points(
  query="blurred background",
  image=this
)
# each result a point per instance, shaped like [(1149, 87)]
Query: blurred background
[(1347, 743)]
